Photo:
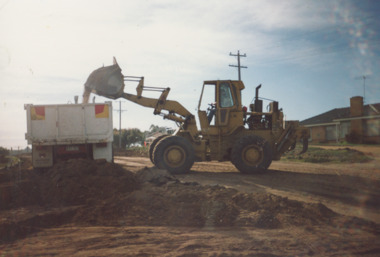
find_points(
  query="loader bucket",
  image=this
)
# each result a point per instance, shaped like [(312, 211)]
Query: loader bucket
[(106, 81)]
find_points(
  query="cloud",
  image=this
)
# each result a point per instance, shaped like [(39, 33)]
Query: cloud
[(49, 48), (63, 34)]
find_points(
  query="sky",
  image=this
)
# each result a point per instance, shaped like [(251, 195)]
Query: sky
[(310, 56)]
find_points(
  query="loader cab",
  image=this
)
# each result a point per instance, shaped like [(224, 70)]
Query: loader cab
[(220, 105)]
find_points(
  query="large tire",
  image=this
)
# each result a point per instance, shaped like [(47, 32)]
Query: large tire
[(153, 145), (251, 154), (175, 154)]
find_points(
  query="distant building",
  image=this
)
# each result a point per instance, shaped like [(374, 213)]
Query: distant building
[(152, 137), (357, 124)]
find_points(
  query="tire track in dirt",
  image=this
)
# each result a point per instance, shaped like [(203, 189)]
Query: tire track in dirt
[(350, 189)]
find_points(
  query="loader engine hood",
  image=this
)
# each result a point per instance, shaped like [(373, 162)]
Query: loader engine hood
[(106, 81)]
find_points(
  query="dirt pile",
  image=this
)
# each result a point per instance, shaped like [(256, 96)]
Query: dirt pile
[(178, 204), (84, 192), (33, 199), (84, 182), (74, 182)]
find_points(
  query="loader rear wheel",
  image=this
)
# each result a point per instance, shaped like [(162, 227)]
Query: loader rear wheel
[(251, 154), (153, 145), (175, 154)]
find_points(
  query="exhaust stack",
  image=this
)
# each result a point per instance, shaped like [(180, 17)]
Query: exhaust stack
[(258, 103)]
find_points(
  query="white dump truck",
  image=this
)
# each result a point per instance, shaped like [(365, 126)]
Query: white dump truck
[(65, 131)]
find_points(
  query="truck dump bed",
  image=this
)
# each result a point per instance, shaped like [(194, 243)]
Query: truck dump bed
[(69, 131), (69, 123)]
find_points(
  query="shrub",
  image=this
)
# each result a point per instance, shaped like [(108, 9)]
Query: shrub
[(3, 153), (319, 155)]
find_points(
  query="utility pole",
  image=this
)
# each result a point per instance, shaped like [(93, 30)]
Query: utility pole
[(120, 110), (119, 124), (238, 59)]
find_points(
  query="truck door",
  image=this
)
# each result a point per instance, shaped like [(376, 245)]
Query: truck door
[(207, 105), (217, 101)]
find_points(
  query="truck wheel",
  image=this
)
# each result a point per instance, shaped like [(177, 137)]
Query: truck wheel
[(175, 154), (153, 145), (251, 154)]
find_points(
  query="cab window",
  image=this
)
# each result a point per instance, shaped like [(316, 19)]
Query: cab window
[(225, 96)]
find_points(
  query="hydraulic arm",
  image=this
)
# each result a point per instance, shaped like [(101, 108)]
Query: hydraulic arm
[(109, 82)]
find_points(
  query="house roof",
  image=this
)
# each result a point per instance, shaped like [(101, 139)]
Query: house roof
[(340, 113)]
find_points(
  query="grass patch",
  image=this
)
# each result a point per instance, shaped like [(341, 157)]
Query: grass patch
[(133, 151), (320, 155), (9, 161)]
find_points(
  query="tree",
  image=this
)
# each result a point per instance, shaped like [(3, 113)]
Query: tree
[(128, 137), (133, 136), (3, 152)]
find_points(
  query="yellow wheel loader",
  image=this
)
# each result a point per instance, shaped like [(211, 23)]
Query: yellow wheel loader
[(250, 139)]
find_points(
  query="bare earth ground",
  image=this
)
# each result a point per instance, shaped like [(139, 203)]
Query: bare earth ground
[(84, 208)]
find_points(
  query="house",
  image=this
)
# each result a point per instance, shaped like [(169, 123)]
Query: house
[(357, 124)]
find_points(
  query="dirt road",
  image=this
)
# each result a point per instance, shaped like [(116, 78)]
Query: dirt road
[(84, 208), (351, 189)]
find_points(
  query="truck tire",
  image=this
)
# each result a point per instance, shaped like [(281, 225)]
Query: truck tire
[(251, 154), (153, 145), (175, 154)]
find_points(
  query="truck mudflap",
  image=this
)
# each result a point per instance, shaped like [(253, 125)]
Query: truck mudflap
[(42, 156), (106, 81)]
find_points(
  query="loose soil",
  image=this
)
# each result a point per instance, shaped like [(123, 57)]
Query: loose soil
[(94, 208)]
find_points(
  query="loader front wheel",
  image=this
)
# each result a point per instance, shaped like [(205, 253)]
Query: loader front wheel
[(153, 145), (251, 154), (175, 154)]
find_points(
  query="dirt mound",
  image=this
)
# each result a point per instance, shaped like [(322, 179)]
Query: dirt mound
[(192, 205), (85, 192), (178, 204), (33, 199), (73, 182), (83, 181)]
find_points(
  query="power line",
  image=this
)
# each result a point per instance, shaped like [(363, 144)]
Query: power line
[(238, 59)]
